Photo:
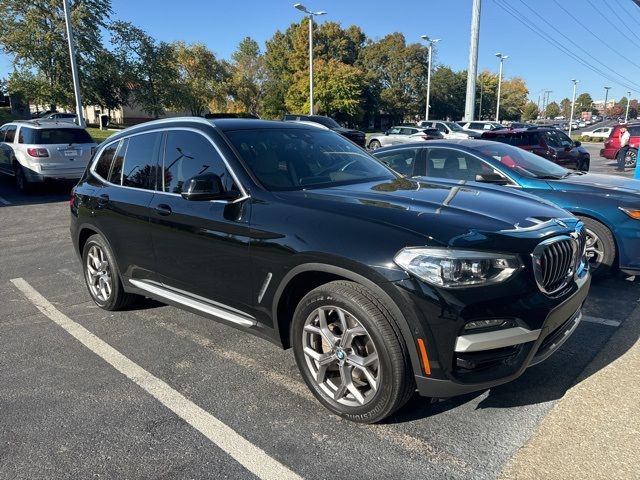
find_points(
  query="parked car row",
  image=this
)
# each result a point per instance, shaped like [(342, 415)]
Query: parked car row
[(444, 266)]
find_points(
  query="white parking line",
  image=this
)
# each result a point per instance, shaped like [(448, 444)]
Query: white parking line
[(602, 321), (4, 202), (244, 452)]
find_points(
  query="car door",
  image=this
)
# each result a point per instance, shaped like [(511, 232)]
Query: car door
[(442, 128), (454, 164), (569, 152), (7, 155), (405, 134), (120, 205), (201, 247), (393, 136), (407, 161)]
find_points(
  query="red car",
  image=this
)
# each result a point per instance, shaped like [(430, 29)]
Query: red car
[(612, 144)]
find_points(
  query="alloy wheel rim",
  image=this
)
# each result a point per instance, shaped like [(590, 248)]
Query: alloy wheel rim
[(341, 356), (630, 159), (374, 145), (594, 250), (98, 273)]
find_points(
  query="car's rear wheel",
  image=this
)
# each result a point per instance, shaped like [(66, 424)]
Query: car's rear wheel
[(102, 277), (631, 158), (374, 145), (22, 182), (349, 353), (601, 247)]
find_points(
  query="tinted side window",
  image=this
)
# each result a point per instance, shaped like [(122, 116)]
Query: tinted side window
[(188, 154), (3, 130), (104, 162), (11, 134), (402, 161), (552, 139), (115, 176), (141, 161), (449, 163)]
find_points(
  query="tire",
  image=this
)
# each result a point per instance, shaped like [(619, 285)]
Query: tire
[(102, 277), (601, 248), (358, 329), (631, 158), (374, 145), (21, 179), (584, 164)]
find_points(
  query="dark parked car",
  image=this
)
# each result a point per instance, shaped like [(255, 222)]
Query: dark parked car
[(546, 142), (608, 205), (356, 136), (381, 284)]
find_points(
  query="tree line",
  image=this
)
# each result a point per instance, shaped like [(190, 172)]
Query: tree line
[(356, 78)]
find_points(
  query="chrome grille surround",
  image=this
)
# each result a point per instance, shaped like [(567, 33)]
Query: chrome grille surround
[(556, 260)]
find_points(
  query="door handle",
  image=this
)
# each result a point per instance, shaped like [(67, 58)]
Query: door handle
[(163, 209), (103, 200)]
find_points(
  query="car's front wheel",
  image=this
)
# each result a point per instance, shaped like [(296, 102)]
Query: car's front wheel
[(601, 247), (374, 145), (349, 353), (102, 277)]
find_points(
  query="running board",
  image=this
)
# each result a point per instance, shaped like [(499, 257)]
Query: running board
[(219, 310)]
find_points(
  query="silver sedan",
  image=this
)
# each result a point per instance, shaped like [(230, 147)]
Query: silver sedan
[(396, 135)]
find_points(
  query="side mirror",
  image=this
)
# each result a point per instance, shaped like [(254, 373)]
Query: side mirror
[(206, 186), (387, 132), (577, 143), (493, 178)]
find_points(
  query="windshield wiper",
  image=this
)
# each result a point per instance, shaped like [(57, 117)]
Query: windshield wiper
[(549, 177)]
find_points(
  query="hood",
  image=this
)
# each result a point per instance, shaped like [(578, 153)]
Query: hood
[(445, 213), (349, 131), (591, 182)]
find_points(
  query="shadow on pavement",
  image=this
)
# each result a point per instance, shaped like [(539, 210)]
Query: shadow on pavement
[(47, 192)]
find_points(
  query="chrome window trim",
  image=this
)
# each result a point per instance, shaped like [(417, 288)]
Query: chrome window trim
[(243, 191)]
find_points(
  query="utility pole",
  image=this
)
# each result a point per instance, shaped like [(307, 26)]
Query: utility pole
[(573, 103), (502, 59), (606, 97), (431, 42), (470, 102), (74, 65), (311, 14), (626, 115)]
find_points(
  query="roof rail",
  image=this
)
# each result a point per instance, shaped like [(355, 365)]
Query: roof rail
[(171, 119)]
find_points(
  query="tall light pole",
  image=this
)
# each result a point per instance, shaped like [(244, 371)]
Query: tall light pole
[(502, 59), (626, 115), (606, 97), (470, 101), (545, 102), (74, 65), (573, 103), (311, 14), (430, 41)]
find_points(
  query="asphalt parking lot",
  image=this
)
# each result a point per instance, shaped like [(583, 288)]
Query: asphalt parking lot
[(158, 392)]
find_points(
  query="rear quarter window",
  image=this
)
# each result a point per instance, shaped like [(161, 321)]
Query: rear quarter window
[(103, 165)]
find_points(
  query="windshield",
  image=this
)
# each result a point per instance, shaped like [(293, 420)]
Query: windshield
[(453, 126), (296, 159), (326, 121), (523, 162)]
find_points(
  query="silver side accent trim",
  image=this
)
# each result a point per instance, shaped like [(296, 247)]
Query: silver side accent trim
[(265, 285), (477, 342), (219, 310)]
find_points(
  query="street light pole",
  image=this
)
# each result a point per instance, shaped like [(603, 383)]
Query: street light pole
[(431, 41), (573, 104), (626, 115), (502, 59), (311, 14), (74, 65), (606, 97)]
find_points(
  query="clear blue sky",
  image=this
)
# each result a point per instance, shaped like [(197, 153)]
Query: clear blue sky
[(221, 26)]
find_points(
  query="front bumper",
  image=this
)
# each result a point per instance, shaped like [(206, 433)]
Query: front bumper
[(462, 363)]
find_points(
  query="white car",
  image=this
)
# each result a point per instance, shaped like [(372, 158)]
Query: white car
[(582, 124), (402, 134), (601, 133), (479, 127), (449, 130), (34, 151)]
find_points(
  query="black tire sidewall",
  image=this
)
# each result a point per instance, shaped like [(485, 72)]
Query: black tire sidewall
[(116, 287), (21, 179), (379, 404), (374, 145), (607, 242)]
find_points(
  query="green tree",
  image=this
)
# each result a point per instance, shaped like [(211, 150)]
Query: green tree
[(514, 96), (149, 65), (565, 108), (552, 110), (487, 88), (530, 111), (448, 91), (108, 87), (584, 103), (200, 78), (337, 90), (33, 33), (248, 77)]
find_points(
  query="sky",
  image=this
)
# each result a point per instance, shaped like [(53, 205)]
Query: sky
[(604, 33)]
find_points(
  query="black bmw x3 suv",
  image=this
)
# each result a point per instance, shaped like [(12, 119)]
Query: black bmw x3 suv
[(381, 284)]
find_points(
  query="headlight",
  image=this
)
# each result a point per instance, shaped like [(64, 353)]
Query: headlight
[(457, 268), (632, 212)]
